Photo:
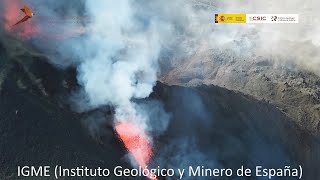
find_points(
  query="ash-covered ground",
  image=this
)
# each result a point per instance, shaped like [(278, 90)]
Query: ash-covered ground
[(210, 125), (294, 91)]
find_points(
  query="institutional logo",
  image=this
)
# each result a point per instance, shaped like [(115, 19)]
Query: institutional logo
[(258, 18), (230, 18), (272, 18), (222, 18)]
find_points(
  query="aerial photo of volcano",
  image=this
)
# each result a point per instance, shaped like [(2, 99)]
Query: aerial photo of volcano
[(159, 89)]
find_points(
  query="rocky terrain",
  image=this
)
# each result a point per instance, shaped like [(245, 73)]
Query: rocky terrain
[(37, 130), (293, 91), (272, 120)]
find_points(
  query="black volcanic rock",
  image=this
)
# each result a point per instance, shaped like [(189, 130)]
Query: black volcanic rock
[(232, 129), (35, 129)]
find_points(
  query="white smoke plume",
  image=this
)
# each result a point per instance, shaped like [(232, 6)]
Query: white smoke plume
[(118, 56), (118, 50), (118, 62)]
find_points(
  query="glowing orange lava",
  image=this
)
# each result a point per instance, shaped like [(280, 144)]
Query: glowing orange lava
[(136, 142), (13, 14), (39, 26)]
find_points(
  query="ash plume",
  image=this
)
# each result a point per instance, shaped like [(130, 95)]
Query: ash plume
[(118, 57), (117, 52)]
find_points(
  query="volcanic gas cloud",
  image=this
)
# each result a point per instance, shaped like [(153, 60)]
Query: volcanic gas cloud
[(117, 56)]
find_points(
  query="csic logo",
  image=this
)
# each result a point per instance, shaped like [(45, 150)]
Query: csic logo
[(274, 18), (258, 18)]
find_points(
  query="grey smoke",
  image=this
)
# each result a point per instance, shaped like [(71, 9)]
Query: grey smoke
[(181, 153), (187, 133), (152, 112)]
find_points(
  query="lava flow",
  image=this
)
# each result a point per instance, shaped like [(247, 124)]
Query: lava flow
[(136, 142), (12, 14)]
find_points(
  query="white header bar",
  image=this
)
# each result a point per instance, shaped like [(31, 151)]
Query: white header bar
[(272, 18)]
